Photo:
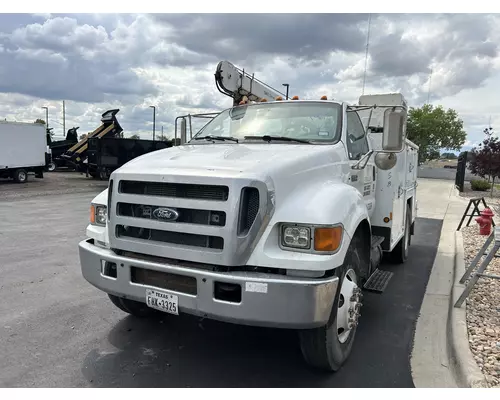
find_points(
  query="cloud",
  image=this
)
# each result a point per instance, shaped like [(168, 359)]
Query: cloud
[(131, 61), (248, 37)]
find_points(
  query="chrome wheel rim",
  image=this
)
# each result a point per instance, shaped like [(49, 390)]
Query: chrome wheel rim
[(349, 306)]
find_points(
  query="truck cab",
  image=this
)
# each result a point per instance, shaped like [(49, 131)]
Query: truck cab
[(274, 214)]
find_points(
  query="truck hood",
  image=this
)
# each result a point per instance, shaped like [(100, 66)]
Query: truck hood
[(260, 160)]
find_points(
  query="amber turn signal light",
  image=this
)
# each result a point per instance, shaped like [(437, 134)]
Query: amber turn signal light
[(327, 239), (92, 214)]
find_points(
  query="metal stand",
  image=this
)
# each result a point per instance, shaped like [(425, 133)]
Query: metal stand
[(480, 271), (475, 211)]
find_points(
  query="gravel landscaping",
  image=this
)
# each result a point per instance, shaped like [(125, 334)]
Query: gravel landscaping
[(483, 310)]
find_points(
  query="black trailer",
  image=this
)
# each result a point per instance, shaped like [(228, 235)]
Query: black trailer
[(76, 156), (108, 153), (59, 147)]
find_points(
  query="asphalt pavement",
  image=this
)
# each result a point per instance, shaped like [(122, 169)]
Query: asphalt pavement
[(57, 330)]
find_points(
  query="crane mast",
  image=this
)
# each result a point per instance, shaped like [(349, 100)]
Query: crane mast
[(236, 83)]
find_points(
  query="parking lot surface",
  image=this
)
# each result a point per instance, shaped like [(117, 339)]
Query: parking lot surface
[(59, 331)]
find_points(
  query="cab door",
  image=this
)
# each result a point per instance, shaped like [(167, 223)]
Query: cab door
[(362, 179)]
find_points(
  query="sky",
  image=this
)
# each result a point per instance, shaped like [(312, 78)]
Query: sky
[(96, 62)]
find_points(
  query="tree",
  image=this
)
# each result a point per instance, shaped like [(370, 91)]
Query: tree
[(449, 156), (135, 136), (40, 121), (485, 159), (433, 129), (433, 155)]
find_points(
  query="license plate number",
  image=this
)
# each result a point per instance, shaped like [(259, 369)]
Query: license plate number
[(162, 301)]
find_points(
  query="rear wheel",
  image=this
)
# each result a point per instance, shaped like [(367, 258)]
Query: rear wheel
[(132, 307), (52, 166), (400, 253), (104, 174), (329, 346)]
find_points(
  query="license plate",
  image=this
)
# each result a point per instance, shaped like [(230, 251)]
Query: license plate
[(162, 301)]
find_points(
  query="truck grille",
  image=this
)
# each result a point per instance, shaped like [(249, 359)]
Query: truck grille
[(177, 190), (201, 221), (186, 215), (179, 238)]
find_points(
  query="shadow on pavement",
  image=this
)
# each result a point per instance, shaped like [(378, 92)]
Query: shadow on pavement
[(184, 352)]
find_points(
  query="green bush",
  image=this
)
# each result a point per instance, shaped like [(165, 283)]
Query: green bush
[(480, 185)]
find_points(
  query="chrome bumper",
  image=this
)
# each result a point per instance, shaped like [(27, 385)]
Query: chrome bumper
[(267, 300)]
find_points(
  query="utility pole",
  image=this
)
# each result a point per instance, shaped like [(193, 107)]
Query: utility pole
[(366, 53), (64, 119)]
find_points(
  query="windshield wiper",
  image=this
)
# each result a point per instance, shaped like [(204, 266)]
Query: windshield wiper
[(268, 138), (210, 137)]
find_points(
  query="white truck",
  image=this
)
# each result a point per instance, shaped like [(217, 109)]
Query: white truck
[(23, 150), (275, 214)]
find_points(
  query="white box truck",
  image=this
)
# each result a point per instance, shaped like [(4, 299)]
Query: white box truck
[(23, 150), (275, 214)]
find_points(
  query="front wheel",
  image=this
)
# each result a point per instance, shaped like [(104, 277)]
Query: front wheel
[(329, 346), (21, 175)]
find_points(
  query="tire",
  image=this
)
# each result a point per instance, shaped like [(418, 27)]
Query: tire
[(20, 175), (103, 175), (399, 254), (52, 166), (132, 307), (327, 348)]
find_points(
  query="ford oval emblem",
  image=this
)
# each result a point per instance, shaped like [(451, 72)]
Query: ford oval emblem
[(165, 214)]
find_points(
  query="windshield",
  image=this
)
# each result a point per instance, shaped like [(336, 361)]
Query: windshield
[(314, 122)]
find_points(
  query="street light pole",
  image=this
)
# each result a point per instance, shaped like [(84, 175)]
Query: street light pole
[(287, 85), (64, 119), (154, 121)]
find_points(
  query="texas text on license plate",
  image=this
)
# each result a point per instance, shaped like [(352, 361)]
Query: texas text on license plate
[(162, 301)]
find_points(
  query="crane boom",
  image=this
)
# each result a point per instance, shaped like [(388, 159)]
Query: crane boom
[(236, 83)]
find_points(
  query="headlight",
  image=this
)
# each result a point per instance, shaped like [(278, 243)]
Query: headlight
[(98, 214), (298, 237), (318, 239)]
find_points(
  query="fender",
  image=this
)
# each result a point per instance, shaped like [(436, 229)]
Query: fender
[(101, 198), (326, 203), (99, 233)]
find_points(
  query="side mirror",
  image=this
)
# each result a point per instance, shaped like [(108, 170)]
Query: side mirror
[(183, 131), (394, 130)]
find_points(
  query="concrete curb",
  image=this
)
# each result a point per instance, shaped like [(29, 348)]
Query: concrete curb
[(464, 367)]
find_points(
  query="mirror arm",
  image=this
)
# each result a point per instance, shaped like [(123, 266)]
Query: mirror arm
[(365, 158)]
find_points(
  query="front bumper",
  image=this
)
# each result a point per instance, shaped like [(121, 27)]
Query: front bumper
[(267, 300)]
